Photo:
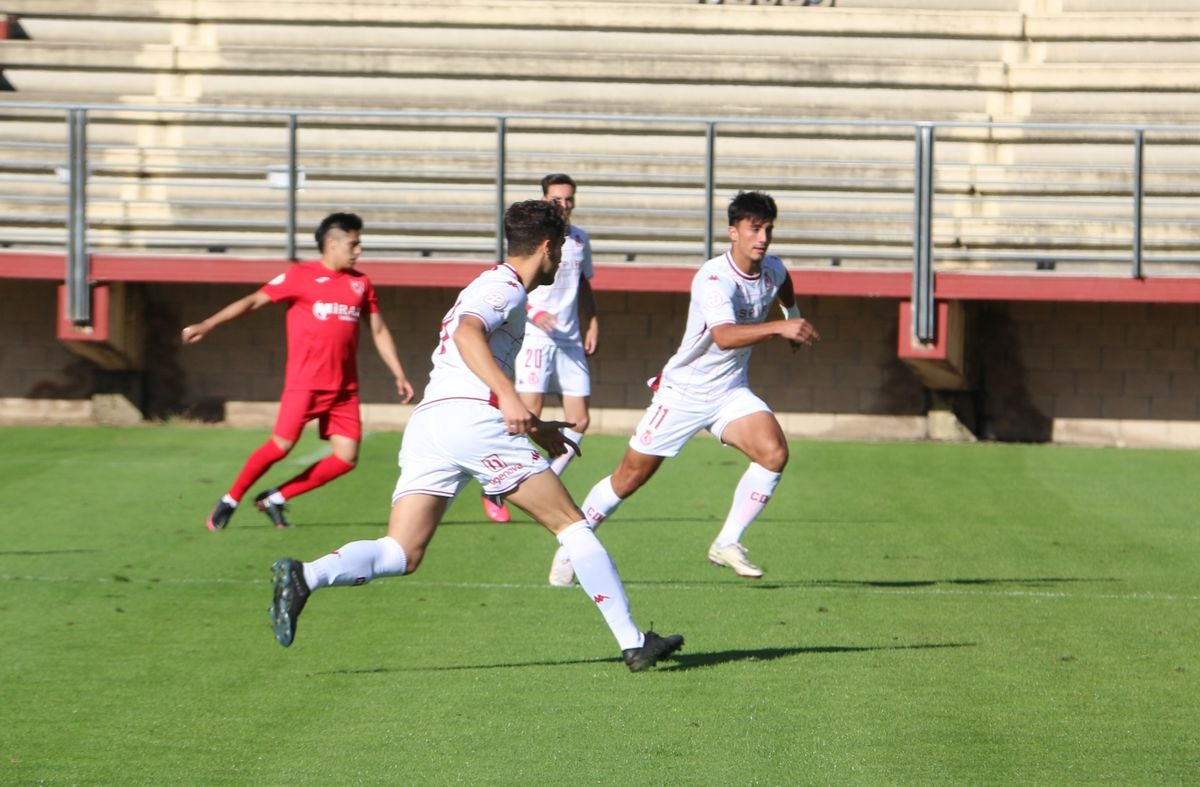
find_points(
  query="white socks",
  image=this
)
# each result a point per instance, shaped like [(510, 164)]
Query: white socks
[(599, 579), (559, 463), (751, 496), (600, 502), (357, 563)]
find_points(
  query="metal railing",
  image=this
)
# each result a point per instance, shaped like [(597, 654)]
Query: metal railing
[(1113, 198)]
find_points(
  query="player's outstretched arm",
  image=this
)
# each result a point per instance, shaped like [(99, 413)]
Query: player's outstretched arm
[(255, 300), (385, 345), (729, 336)]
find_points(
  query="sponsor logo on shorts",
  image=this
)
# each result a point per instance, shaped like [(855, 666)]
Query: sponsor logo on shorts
[(508, 472), (493, 463)]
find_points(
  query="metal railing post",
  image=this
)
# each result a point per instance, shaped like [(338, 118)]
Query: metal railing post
[(1139, 193), (501, 144), (79, 300), (293, 174), (923, 311), (710, 185)]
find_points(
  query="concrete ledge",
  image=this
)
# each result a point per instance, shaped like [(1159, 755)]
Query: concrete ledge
[(1120, 433), (58, 412), (1126, 433)]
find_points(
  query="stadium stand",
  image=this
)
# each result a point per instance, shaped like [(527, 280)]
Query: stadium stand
[(1038, 108), (157, 185)]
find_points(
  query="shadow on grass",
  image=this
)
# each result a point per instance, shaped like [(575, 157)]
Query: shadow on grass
[(682, 661), (685, 661)]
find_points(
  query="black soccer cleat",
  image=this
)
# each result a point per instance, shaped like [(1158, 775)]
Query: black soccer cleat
[(291, 594), (274, 511), (654, 649), (220, 515)]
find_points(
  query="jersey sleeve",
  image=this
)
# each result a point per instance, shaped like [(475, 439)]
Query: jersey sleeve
[(370, 299), (282, 287), (492, 302), (585, 265), (714, 297)]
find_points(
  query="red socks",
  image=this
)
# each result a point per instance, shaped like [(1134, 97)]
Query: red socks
[(255, 468), (315, 475)]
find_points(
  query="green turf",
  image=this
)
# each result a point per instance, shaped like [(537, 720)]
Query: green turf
[(989, 614)]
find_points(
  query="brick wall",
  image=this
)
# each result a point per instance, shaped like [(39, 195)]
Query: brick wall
[(1040, 364)]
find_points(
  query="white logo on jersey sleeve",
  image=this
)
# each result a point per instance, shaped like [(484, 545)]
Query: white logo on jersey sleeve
[(497, 299), (277, 280)]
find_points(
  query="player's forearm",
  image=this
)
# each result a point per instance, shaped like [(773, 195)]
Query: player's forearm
[(386, 347), (731, 337)]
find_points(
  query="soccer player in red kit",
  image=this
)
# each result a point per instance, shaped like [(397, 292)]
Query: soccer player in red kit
[(326, 301)]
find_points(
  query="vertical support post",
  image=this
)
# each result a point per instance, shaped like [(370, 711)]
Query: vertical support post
[(710, 185), (501, 162), (924, 314), (293, 186), (79, 297), (1139, 194)]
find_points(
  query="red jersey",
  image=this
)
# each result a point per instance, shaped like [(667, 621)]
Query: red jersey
[(324, 311)]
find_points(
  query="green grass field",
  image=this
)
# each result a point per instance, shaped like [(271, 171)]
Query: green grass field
[(988, 614)]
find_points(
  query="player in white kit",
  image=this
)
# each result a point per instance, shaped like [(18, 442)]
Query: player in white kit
[(705, 384), (471, 423), (561, 333)]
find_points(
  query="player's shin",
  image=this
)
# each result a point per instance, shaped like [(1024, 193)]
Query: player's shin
[(600, 502), (753, 491), (600, 580), (357, 563)]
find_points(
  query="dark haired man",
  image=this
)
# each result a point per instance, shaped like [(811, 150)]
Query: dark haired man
[(705, 385), (326, 301), (553, 357), (471, 423)]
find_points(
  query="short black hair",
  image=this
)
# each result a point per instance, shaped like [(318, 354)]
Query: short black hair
[(346, 222), (752, 205), (557, 179), (528, 223)]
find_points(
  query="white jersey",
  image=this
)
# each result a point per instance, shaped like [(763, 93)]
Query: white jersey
[(497, 297), (562, 297), (700, 371)]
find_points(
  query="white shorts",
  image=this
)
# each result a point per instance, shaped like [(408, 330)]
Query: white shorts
[(553, 368), (448, 443), (669, 423)]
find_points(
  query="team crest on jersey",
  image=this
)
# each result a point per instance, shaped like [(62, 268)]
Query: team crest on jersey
[(714, 298), (358, 287)]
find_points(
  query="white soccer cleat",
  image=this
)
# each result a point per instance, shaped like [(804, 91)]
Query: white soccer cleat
[(562, 575), (734, 556)]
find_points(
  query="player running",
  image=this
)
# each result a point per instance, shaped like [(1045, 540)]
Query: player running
[(471, 423), (705, 385), (326, 301), (553, 357)]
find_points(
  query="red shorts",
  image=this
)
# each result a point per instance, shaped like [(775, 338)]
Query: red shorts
[(336, 413)]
